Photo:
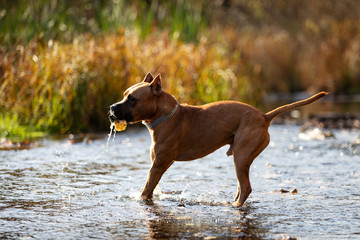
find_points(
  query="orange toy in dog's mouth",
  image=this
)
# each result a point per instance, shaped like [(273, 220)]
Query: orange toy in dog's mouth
[(120, 125)]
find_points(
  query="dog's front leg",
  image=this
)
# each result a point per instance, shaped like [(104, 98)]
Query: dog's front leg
[(158, 168)]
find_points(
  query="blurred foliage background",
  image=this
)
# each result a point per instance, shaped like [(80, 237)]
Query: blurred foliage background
[(62, 63)]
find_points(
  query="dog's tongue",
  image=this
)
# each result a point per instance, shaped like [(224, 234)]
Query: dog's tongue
[(120, 125)]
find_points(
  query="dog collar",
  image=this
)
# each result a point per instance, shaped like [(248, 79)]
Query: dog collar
[(162, 118)]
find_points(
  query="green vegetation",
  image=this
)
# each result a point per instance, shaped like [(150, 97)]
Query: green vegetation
[(23, 21), (11, 129), (62, 63)]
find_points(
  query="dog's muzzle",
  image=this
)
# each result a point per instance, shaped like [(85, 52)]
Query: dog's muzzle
[(111, 114), (119, 112)]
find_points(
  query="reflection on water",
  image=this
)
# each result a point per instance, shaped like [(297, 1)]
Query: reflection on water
[(82, 191), (209, 222)]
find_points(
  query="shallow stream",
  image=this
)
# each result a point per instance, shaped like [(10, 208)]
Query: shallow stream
[(60, 190)]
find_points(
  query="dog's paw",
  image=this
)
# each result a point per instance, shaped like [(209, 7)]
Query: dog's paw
[(147, 201), (237, 204)]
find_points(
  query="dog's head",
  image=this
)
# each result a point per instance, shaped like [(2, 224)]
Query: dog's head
[(139, 102)]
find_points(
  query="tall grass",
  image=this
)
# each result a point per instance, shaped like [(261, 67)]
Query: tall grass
[(62, 64), (60, 87), (23, 21), (68, 87), (288, 63)]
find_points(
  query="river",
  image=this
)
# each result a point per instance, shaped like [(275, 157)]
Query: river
[(59, 190)]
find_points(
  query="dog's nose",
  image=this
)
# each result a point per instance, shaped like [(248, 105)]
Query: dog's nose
[(112, 108)]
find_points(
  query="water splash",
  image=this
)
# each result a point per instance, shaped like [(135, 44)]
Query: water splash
[(112, 130)]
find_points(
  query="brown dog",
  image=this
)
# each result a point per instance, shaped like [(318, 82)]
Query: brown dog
[(184, 132)]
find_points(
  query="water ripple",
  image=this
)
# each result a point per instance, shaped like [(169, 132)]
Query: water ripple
[(85, 191)]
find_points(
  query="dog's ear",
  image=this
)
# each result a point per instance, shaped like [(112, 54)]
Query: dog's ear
[(156, 85), (148, 78)]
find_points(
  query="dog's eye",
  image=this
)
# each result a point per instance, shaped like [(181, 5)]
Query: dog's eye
[(131, 98)]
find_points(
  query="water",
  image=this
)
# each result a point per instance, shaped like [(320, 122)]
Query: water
[(111, 133), (77, 191)]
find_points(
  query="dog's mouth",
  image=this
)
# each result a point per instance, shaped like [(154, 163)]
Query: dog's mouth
[(116, 113), (119, 125), (112, 117)]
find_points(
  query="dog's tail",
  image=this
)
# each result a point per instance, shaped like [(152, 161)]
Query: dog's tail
[(272, 114)]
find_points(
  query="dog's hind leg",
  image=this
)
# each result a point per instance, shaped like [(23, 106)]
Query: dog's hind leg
[(245, 151), (244, 186)]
